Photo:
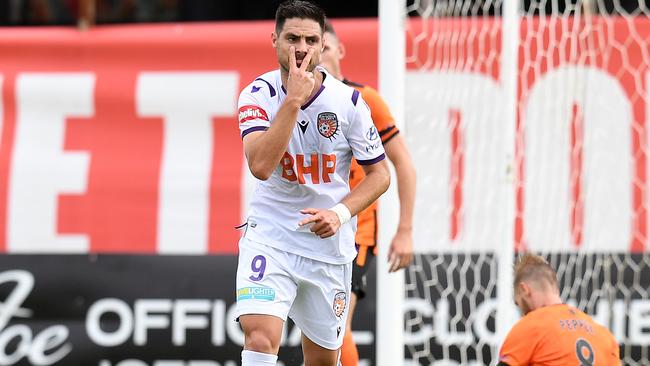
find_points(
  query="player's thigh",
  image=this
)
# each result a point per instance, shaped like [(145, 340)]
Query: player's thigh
[(316, 355), (320, 309), (264, 287)]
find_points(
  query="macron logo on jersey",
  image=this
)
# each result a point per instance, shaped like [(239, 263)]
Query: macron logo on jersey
[(249, 112)]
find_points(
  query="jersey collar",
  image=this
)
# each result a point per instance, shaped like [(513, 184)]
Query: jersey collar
[(312, 99)]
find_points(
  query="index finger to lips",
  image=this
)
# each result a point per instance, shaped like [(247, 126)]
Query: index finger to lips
[(292, 58)]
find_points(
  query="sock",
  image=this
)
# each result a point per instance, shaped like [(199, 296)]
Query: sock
[(252, 358), (349, 353)]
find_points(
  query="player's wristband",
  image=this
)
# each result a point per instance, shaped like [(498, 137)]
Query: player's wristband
[(342, 212)]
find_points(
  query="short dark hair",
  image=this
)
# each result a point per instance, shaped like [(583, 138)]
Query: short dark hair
[(298, 9)]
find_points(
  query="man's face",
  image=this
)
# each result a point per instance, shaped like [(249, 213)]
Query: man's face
[(302, 34), (332, 53)]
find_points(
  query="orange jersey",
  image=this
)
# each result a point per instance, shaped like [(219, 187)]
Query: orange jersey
[(559, 335), (385, 123)]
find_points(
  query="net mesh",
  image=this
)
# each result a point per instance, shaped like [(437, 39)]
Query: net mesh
[(574, 167)]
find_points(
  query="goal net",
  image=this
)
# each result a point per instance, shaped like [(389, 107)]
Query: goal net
[(545, 151)]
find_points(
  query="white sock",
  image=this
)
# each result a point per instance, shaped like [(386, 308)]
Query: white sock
[(252, 358)]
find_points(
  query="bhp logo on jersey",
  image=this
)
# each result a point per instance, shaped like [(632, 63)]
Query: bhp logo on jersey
[(249, 112), (319, 168)]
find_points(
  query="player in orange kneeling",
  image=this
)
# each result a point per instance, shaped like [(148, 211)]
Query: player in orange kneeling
[(401, 249), (552, 333)]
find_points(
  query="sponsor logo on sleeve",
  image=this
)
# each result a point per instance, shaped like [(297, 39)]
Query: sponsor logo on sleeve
[(256, 293), (373, 147), (251, 112), (372, 134)]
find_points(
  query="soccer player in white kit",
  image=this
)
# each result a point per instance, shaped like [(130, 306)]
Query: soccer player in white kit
[(300, 128)]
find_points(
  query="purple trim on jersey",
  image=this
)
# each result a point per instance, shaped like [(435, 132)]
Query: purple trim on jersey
[(304, 106), (253, 129), (322, 87), (355, 96), (272, 90), (372, 161)]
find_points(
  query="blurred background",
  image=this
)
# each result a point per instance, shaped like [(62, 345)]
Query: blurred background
[(66, 12)]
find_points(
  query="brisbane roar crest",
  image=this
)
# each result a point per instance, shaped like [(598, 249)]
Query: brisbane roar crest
[(328, 125), (340, 302)]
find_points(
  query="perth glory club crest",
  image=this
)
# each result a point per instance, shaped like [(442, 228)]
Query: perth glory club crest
[(339, 303), (328, 125)]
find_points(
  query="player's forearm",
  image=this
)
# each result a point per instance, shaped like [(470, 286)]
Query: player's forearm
[(267, 149), (399, 156), (373, 185), (406, 178)]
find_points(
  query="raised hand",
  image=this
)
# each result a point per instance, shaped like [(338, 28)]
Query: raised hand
[(301, 82)]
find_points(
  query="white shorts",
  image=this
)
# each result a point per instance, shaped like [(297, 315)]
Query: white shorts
[(314, 294)]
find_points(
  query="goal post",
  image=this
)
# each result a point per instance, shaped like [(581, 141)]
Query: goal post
[(390, 286), (393, 83), (509, 70)]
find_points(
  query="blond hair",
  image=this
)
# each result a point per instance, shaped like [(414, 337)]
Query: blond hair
[(534, 268)]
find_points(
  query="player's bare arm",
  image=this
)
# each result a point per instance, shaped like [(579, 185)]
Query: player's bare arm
[(264, 149), (400, 253), (326, 222), (371, 187)]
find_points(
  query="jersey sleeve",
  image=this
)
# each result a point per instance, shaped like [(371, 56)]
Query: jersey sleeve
[(380, 113), (363, 136), (253, 109), (518, 347)]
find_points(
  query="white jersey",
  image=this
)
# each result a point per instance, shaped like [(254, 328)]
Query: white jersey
[(331, 128)]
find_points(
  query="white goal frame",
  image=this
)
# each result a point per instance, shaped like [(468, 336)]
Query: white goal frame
[(390, 287), (392, 72)]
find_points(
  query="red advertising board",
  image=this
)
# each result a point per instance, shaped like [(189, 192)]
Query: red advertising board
[(124, 139)]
